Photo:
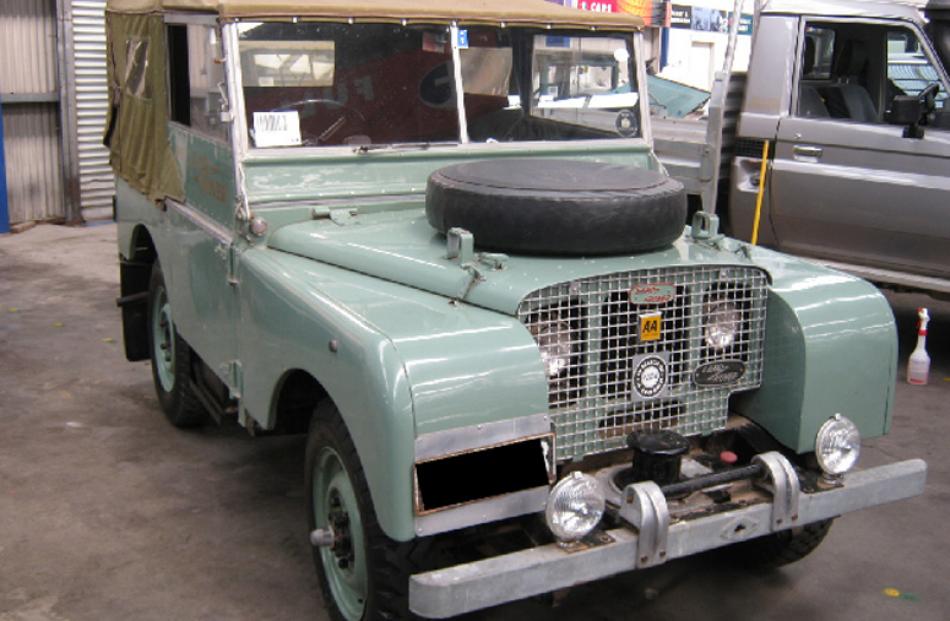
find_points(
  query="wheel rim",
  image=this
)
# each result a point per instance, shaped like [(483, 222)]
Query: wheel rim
[(334, 505), (163, 341)]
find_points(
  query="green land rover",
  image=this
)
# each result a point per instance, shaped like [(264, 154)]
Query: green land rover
[(434, 237)]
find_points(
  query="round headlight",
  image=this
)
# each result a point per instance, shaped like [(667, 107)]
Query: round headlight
[(554, 341), (838, 445), (575, 506), (722, 324)]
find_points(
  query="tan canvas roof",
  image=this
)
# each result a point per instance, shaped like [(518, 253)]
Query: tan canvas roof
[(481, 11)]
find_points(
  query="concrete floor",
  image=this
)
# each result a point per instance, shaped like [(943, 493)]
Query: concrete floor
[(107, 512)]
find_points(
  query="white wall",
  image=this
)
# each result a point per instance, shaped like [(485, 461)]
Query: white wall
[(690, 51)]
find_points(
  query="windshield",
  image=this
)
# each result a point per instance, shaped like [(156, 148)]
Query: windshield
[(569, 87), (317, 84)]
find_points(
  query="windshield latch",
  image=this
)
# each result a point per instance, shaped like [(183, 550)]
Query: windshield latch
[(226, 116)]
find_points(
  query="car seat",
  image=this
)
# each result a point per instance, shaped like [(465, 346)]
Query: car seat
[(847, 98)]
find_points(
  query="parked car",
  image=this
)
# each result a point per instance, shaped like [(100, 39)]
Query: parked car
[(852, 98), (517, 371)]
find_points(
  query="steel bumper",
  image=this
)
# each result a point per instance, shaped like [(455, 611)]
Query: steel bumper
[(654, 539)]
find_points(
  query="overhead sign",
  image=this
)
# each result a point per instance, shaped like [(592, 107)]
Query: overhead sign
[(652, 13), (706, 19)]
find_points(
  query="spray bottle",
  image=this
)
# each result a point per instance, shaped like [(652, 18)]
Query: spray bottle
[(918, 366)]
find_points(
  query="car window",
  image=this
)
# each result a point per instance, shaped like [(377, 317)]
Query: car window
[(316, 84), (841, 74), (196, 78), (909, 70), (585, 81), (569, 86), (818, 53), (136, 68)]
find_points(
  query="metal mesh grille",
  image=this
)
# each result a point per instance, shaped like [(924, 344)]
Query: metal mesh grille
[(596, 325)]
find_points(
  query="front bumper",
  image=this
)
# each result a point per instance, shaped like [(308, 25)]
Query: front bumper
[(653, 539)]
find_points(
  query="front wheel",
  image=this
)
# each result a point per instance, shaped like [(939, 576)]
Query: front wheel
[(363, 575), (171, 358)]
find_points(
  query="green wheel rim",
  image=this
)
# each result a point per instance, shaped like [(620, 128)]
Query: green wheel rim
[(334, 505), (163, 340)]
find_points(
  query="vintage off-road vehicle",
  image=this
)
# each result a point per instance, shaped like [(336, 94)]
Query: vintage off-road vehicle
[(435, 237)]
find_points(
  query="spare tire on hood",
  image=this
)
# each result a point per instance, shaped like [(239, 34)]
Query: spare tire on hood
[(557, 207)]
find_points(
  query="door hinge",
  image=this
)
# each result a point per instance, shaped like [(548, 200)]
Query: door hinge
[(227, 252), (232, 265), (235, 379)]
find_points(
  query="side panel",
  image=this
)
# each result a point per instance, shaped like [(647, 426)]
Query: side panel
[(406, 362), (831, 347), (208, 173), (870, 197), (200, 251), (194, 262), (771, 72), (767, 100), (132, 210)]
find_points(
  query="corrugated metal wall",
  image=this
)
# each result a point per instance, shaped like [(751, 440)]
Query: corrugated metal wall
[(28, 42), (34, 162), (97, 184), (29, 88)]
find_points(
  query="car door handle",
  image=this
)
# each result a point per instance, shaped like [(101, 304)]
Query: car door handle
[(806, 151)]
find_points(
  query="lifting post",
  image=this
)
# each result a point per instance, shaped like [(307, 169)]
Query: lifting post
[(763, 171), (4, 208)]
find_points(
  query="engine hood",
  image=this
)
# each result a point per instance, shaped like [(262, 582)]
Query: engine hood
[(401, 247)]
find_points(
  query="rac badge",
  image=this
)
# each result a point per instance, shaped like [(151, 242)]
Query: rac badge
[(719, 373), (649, 378), (652, 293)]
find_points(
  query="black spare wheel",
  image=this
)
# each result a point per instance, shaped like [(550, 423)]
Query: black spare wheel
[(554, 206)]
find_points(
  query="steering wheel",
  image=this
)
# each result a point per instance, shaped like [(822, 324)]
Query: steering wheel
[(928, 100), (346, 113), (928, 96)]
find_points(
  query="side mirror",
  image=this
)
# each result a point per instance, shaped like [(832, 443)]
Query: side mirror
[(913, 111), (905, 110)]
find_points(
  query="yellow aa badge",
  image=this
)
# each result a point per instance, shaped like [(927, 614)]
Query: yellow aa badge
[(651, 327)]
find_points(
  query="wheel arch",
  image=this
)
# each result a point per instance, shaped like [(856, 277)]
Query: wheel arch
[(295, 400), (321, 349), (135, 268)]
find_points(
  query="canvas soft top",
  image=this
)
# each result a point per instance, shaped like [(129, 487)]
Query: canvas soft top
[(535, 12)]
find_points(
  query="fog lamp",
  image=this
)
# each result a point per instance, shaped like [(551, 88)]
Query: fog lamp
[(837, 445), (722, 324), (575, 507)]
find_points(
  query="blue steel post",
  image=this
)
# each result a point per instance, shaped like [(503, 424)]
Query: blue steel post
[(664, 48), (4, 211)]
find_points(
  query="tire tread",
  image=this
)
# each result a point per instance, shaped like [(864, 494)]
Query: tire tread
[(181, 405), (783, 548)]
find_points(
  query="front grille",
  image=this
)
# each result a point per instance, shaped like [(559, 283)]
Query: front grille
[(593, 401)]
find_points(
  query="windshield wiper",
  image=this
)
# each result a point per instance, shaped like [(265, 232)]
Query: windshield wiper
[(405, 146)]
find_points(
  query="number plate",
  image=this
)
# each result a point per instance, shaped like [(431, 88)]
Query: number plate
[(651, 327)]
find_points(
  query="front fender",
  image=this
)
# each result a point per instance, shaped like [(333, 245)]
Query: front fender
[(287, 322), (830, 347), (406, 363)]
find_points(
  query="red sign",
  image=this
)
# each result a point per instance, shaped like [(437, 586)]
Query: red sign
[(598, 6), (653, 12)]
